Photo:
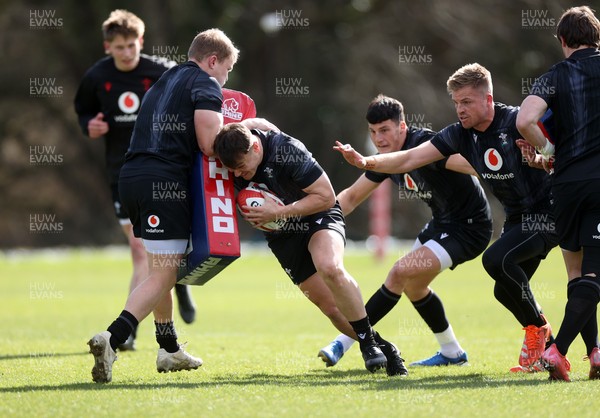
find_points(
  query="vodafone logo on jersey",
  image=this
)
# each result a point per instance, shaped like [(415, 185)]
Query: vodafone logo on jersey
[(492, 159), (129, 102), (409, 183)]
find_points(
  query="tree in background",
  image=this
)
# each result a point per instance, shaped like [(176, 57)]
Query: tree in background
[(322, 60)]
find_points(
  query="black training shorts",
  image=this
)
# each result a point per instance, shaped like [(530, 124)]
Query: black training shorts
[(158, 207), (462, 241), (577, 213), (290, 245)]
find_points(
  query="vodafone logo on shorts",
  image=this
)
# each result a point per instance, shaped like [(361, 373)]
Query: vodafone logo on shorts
[(492, 159), (597, 229), (153, 221), (129, 102)]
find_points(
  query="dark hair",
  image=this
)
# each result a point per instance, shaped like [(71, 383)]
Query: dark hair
[(383, 108), (232, 143), (579, 26)]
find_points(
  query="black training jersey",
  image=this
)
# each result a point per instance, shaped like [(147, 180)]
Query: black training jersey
[(287, 167), (498, 161), (453, 197), (117, 94), (572, 91), (164, 136)]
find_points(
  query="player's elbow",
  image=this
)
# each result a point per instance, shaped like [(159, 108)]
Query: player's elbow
[(207, 150), (328, 201), (325, 200), (523, 122)]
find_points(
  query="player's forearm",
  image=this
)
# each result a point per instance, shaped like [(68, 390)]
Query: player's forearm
[(391, 163), (530, 112), (260, 124), (532, 133), (308, 205)]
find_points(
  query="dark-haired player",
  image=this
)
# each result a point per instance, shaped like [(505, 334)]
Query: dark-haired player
[(486, 136), (107, 103), (460, 229), (571, 89), (310, 246)]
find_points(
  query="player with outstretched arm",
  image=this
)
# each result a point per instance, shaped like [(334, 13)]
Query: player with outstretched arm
[(486, 137), (460, 229)]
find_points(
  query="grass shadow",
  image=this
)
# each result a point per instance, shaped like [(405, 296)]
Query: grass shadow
[(314, 378), (41, 355)]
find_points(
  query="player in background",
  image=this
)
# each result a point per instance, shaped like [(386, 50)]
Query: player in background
[(486, 137), (188, 99), (107, 103), (460, 229), (571, 89), (310, 245)]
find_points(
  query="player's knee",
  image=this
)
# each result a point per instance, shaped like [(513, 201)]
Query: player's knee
[(499, 293), (138, 252), (404, 270), (331, 271), (491, 263)]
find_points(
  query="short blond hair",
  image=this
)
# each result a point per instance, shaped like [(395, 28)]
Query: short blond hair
[(212, 42), (124, 23), (471, 75)]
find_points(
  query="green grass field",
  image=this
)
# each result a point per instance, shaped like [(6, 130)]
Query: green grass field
[(259, 340)]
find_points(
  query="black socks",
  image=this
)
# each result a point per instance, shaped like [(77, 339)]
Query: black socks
[(583, 297), (380, 304), (126, 324), (166, 336), (121, 328), (432, 311), (363, 330)]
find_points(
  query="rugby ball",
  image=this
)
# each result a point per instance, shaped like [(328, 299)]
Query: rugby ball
[(253, 197)]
